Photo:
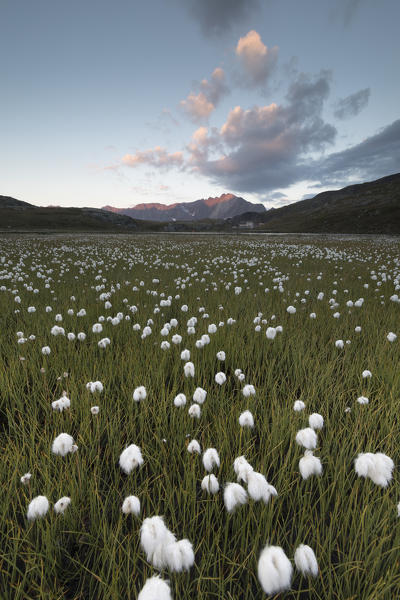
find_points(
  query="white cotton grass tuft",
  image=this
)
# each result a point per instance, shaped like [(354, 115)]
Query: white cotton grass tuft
[(179, 556), (131, 505), (248, 390), (185, 355), (194, 411), (366, 374), (220, 378), (162, 549), (305, 560), (270, 333), (221, 355), (362, 400), (94, 386), (154, 537), (234, 495), (37, 508), (180, 400), (194, 447), (258, 487), (378, 467), (339, 344), (61, 505), (155, 588), (307, 438), (398, 509), (274, 570), (316, 421), (299, 405), (210, 484), (103, 343), (130, 458), (25, 479), (62, 403), (246, 419), (188, 369), (309, 465), (199, 395), (139, 393), (391, 337), (210, 459), (63, 444), (94, 410), (242, 468)]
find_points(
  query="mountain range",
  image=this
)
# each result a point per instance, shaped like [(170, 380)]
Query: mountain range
[(372, 207), (222, 207)]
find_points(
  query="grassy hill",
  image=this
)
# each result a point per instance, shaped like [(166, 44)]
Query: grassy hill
[(372, 207), (16, 215)]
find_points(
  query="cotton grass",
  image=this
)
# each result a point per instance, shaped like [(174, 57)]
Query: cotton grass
[(131, 458), (274, 570), (37, 508)]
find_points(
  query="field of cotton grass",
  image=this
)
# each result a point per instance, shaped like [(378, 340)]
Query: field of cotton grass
[(209, 418)]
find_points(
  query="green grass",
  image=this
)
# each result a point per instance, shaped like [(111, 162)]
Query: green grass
[(93, 550)]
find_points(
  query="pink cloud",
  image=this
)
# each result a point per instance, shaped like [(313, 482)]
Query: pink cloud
[(198, 107), (156, 157), (265, 146), (257, 61)]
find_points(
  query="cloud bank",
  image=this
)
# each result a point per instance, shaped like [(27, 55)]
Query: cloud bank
[(263, 148)]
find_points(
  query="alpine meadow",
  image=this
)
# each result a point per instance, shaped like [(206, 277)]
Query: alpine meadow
[(207, 416)]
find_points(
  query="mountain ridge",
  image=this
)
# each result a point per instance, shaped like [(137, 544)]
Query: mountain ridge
[(371, 207), (220, 207)]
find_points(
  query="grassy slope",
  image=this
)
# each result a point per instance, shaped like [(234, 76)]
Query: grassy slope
[(372, 207), (65, 219)]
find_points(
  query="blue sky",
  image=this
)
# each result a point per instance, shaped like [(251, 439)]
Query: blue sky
[(125, 102)]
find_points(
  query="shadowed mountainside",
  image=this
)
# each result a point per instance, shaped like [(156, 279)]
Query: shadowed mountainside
[(372, 207), (21, 216)]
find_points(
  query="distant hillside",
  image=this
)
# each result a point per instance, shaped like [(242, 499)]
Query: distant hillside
[(8, 202), (222, 207), (372, 207), (21, 216)]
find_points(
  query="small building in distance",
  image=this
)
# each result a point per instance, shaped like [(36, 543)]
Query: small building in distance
[(246, 225)]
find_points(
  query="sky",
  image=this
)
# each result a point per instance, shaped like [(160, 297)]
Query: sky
[(126, 102)]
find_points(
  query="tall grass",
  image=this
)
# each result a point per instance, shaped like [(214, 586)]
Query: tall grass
[(93, 550)]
